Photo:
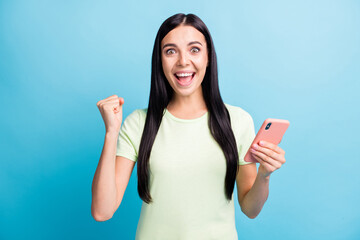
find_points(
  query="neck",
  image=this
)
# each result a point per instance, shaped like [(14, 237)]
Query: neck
[(187, 106)]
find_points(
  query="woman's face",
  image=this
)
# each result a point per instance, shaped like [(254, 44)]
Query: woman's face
[(184, 59)]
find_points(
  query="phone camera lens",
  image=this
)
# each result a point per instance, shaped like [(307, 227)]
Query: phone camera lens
[(267, 126)]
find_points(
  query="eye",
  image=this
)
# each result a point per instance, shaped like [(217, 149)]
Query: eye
[(170, 51), (195, 49)]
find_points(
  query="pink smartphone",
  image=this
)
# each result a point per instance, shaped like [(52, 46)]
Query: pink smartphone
[(272, 130)]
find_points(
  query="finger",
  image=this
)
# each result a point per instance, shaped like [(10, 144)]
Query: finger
[(118, 105), (110, 103), (262, 162), (271, 146), (107, 99), (269, 152), (267, 167), (274, 148), (113, 97), (98, 103), (266, 158)]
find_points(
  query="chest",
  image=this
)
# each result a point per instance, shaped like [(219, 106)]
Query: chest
[(186, 150)]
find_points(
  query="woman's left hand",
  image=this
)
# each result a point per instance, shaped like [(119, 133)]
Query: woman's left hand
[(270, 157)]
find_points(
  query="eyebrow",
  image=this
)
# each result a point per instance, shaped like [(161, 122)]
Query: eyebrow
[(174, 45)]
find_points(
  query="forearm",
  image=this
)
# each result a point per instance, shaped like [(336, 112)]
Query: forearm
[(104, 184), (255, 199)]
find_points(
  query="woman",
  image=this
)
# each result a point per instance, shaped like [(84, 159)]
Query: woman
[(189, 145)]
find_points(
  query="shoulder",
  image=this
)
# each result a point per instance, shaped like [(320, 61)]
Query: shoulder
[(238, 114), (137, 114), (242, 124), (136, 118), (142, 115)]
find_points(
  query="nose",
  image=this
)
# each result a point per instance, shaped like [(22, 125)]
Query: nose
[(183, 59)]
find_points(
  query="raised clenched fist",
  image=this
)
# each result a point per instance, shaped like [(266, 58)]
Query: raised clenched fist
[(111, 112)]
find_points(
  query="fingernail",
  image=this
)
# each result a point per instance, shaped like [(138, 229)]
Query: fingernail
[(261, 143), (255, 146)]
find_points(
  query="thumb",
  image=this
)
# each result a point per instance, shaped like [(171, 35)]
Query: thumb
[(121, 101), (118, 107)]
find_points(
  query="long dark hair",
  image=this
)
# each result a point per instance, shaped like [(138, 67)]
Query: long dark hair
[(160, 95)]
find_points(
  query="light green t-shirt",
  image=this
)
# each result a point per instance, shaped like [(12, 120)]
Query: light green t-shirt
[(187, 173)]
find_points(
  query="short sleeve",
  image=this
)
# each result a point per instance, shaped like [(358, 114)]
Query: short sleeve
[(129, 137), (246, 138)]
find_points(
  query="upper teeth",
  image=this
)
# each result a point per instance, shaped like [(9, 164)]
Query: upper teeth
[(183, 74)]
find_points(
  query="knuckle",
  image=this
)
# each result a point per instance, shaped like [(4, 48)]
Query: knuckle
[(267, 152), (105, 106)]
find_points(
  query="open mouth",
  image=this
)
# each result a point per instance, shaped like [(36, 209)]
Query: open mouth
[(184, 79)]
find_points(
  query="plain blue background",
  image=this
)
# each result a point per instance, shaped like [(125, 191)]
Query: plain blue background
[(297, 60)]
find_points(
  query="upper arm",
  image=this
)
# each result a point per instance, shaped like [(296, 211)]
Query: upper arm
[(123, 170), (245, 179)]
